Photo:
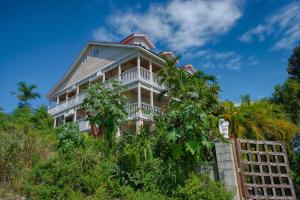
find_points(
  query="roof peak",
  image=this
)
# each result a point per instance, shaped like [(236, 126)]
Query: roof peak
[(138, 39)]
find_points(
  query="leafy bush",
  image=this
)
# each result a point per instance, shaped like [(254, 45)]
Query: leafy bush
[(69, 138), (201, 187)]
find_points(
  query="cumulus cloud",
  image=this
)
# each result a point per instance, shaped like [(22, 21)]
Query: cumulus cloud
[(283, 25), (229, 60), (213, 59), (180, 24), (101, 34)]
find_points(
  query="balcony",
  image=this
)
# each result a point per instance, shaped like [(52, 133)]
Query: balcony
[(146, 112), (74, 101), (131, 75), (126, 77)]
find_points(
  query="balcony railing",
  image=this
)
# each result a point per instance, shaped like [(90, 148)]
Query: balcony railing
[(73, 101), (125, 78), (146, 110)]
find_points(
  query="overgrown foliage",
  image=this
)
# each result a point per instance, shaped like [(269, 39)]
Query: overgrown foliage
[(105, 108)]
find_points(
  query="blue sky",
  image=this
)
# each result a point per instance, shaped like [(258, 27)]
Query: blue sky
[(246, 44)]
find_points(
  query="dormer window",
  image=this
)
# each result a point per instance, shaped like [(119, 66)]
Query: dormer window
[(84, 59), (96, 52)]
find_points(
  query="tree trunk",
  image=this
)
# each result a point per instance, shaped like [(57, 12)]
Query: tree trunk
[(100, 131), (93, 126)]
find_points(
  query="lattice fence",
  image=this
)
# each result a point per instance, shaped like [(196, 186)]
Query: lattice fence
[(264, 170)]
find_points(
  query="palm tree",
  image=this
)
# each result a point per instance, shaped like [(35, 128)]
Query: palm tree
[(25, 93), (258, 120)]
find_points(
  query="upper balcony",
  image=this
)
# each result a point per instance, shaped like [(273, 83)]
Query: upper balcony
[(65, 101)]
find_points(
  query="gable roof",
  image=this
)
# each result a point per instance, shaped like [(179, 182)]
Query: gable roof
[(105, 44)]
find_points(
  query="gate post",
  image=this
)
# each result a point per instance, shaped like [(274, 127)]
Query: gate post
[(227, 167)]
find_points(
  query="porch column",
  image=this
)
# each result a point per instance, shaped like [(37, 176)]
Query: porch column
[(118, 135), (150, 69), (77, 89), (151, 98), (139, 98), (54, 124), (57, 100), (119, 73), (75, 115), (139, 66), (103, 77), (67, 98), (139, 122)]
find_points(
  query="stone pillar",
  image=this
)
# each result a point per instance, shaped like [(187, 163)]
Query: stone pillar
[(227, 168)]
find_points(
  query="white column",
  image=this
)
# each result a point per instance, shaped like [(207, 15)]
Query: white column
[(151, 98), (103, 77), (139, 66), (57, 100), (75, 114), (118, 135), (119, 73), (54, 124), (139, 97), (150, 69), (77, 89)]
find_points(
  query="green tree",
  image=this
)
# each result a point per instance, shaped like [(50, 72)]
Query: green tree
[(288, 96), (294, 64), (25, 93), (259, 120), (105, 108), (187, 124)]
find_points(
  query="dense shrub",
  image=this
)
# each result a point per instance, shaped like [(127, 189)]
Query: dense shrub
[(201, 187)]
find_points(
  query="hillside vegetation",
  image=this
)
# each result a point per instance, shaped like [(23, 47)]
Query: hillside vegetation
[(40, 162)]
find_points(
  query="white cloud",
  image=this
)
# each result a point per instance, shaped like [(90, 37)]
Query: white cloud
[(101, 34), (180, 24), (283, 25), (229, 60), (212, 59)]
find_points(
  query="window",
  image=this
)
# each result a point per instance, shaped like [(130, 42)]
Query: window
[(80, 114), (96, 52), (84, 59)]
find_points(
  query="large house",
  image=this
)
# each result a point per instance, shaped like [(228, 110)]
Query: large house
[(132, 62)]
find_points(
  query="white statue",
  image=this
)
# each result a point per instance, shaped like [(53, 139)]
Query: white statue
[(224, 127)]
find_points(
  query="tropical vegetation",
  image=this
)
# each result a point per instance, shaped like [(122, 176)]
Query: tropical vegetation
[(40, 162)]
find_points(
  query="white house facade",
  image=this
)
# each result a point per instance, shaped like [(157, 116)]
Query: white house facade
[(131, 62)]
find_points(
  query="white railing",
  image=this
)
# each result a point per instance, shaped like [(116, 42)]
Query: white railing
[(75, 100), (145, 74), (146, 110), (129, 75), (125, 78), (132, 109)]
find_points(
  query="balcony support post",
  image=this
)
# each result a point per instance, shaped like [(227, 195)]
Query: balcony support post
[(75, 115), (151, 98), (150, 69), (57, 100), (139, 66), (103, 77), (139, 99), (119, 73)]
